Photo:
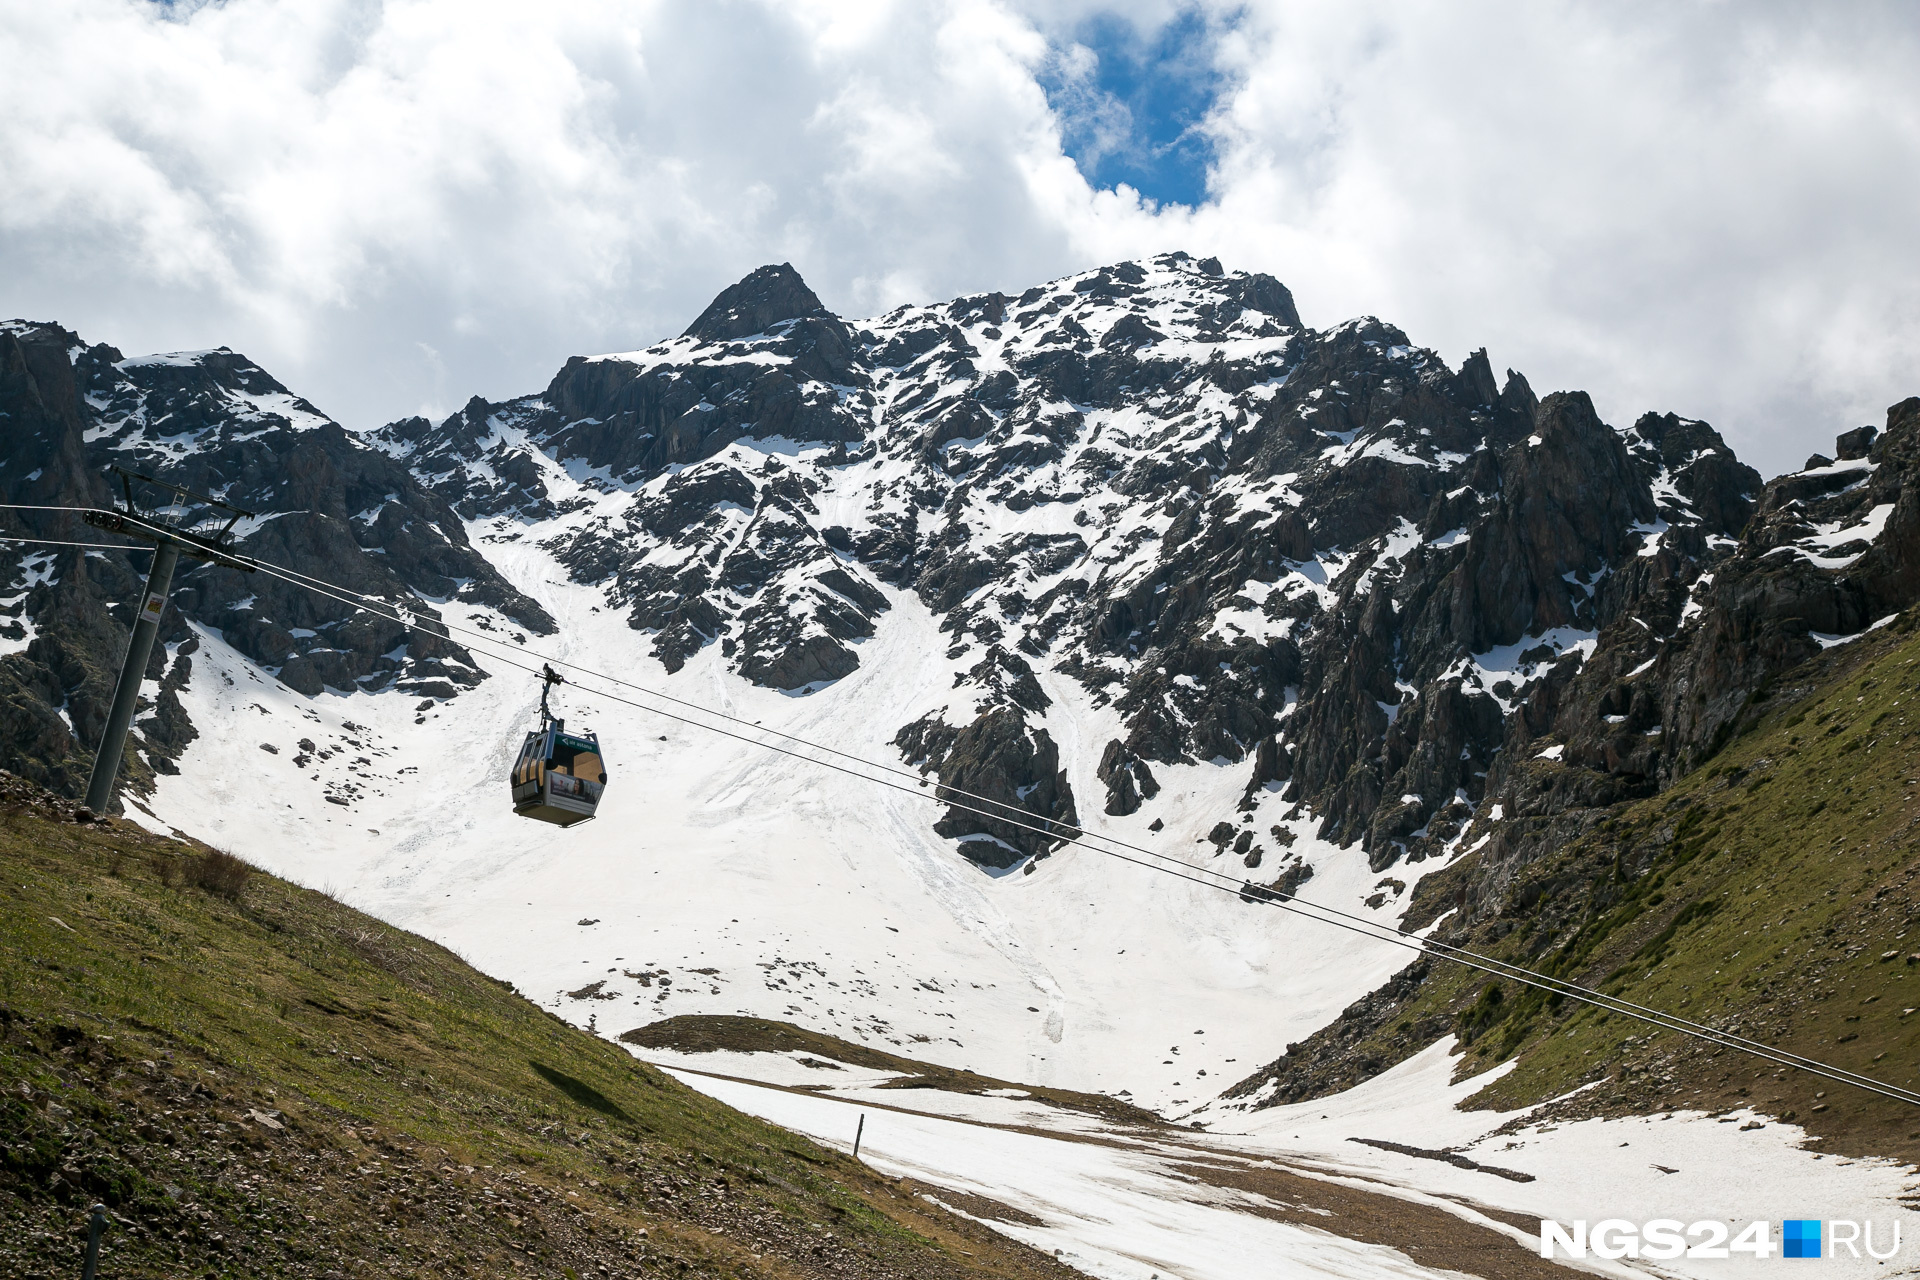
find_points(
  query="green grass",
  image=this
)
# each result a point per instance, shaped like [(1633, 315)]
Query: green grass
[(1772, 892), (430, 1119)]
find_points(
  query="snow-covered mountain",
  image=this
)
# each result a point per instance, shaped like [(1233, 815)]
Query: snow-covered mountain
[(1136, 550), (1237, 538)]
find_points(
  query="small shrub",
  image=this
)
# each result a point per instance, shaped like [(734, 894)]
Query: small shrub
[(1485, 1012), (218, 871)]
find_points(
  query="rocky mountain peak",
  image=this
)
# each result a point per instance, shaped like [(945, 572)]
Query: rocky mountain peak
[(764, 298)]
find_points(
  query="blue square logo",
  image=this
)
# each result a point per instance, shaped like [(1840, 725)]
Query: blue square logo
[(1800, 1238)]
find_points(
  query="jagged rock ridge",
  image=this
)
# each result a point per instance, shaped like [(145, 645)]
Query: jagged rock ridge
[(1323, 558), (1322, 552)]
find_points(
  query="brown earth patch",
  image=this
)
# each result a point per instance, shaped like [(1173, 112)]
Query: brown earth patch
[(1429, 1236), (709, 1033)]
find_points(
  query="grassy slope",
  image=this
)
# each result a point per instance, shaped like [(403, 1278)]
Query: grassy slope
[(430, 1121), (1771, 893)]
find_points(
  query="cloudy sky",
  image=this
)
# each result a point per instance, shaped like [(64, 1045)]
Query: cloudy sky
[(1703, 207)]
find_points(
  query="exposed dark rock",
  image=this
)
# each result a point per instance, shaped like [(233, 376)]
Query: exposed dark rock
[(761, 300), (1857, 443), (1372, 588), (1292, 878), (1019, 803), (1685, 658), (1328, 1060), (1128, 779), (325, 499)]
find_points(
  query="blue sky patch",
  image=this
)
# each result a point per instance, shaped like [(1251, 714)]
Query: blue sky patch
[(1130, 100)]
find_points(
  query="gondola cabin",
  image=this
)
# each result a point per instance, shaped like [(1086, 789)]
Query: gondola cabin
[(559, 776)]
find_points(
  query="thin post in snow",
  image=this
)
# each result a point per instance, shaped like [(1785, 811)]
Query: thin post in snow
[(857, 1131)]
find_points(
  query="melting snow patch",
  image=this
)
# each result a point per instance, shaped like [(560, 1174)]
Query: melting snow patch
[(1518, 664), (1831, 537), (1827, 641), (1861, 465), (173, 359), (1655, 532)]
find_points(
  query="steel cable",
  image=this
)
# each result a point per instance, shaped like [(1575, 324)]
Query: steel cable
[(1072, 834)]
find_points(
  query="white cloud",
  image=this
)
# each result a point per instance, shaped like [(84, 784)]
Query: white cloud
[(1705, 208)]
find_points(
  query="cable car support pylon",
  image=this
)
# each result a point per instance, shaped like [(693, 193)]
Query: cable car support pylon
[(170, 539)]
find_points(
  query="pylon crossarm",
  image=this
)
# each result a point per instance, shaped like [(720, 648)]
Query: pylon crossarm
[(196, 545), (127, 476)]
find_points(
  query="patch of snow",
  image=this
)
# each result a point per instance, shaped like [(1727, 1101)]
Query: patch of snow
[(1831, 536), (1828, 641)]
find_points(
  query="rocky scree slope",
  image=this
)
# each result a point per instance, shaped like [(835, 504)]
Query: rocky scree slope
[(216, 423)]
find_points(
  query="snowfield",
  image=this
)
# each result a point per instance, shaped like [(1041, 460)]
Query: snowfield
[(761, 883)]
